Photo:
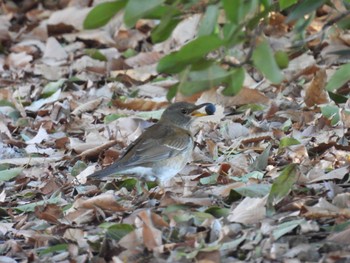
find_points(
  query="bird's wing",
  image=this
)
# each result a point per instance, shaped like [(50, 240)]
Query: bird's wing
[(153, 147)]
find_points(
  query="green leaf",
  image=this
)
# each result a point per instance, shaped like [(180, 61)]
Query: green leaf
[(102, 13), (218, 211), (339, 78), (7, 175), (135, 10), (286, 227), (95, 54), (212, 179), (53, 249), (172, 92), (253, 190), (236, 82), (264, 60), (337, 98), (30, 207), (78, 167), (304, 8), (282, 186), (118, 231), (200, 79), (282, 59), (288, 141), (52, 87), (286, 3), (232, 10), (209, 21), (112, 117), (331, 112), (166, 26), (261, 161), (6, 103), (189, 54), (245, 178)]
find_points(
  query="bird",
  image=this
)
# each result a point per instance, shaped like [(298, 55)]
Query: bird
[(163, 149)]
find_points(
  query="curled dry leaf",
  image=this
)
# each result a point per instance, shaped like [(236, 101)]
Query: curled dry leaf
[(88, 106), (97, 150), (50, 213), (105, 201), (139, 104), (152, 237), (315, 93)]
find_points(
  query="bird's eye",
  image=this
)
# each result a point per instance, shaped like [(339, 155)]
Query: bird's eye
[(184, 111)]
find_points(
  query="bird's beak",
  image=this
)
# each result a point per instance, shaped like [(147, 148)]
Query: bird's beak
[(196, 113)]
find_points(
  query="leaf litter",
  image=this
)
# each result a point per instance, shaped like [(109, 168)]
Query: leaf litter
[(65, 110)]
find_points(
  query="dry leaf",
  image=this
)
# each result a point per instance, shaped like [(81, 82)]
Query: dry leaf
[(315, 93)]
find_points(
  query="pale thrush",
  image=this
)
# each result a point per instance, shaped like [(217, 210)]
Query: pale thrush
[(163, 149)]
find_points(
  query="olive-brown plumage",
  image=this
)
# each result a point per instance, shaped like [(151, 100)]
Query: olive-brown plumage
[(162, 150)]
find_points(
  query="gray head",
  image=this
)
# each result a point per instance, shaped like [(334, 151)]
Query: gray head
[(182, 113)]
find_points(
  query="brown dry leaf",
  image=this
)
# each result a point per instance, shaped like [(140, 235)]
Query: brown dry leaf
[(97, 150), (139, 104), (315, 93), (152, 237), (88, 106), (245, 96), (342, 237), (142, 59), (19, 61), (105, 201), (50, 212), (171, 199)]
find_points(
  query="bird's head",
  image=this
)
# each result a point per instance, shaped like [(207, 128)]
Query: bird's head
[(183, 113)]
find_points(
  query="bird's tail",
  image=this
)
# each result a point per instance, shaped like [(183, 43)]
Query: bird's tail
[(106, 172)]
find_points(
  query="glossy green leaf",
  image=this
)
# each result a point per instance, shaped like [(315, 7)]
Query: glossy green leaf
[(288, 141), (264, 60), (189, 54), (7, 175), (331, 112), (235, 82), (209, 21), (282, 186), (134, 10), (303, 8), (286, 3), (118, 231), (339, 78), (102, 13)]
